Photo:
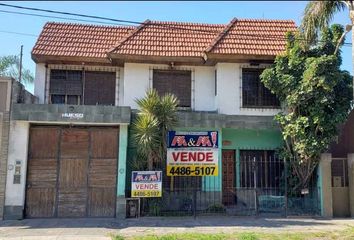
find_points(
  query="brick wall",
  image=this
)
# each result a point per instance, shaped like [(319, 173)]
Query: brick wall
[(4, 135)]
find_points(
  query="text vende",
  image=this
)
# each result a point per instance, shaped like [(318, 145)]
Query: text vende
[(192, 156)]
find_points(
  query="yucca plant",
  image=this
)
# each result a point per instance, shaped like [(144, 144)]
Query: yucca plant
[(156, 116)]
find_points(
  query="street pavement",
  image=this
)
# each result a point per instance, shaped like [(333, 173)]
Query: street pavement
[(98, 228)]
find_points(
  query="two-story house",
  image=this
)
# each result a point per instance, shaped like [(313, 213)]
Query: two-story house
[(74, 142)]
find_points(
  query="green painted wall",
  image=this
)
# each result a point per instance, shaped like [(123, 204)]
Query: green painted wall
[(242, 139), (122, 160)]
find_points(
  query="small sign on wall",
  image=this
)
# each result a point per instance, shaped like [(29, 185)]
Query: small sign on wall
[(17, 174), (72, 115), (146, 184)]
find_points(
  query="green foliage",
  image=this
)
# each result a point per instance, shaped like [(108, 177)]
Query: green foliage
[(216, 208), (10, 67), (156, 116), (315, 95), (117, 237), (317, 16)]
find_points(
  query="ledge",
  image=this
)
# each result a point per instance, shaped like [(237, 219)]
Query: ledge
[(215, 120), (201, 119), (70, 113)]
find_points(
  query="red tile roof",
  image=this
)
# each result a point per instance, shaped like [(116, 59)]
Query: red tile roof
[(171, 39), (166, 39), (78, 40), (255, 37)]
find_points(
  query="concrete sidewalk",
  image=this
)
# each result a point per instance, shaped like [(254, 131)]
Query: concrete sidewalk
[(94, 229)]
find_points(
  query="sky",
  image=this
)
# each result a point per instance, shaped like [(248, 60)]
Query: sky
[(184, 11)]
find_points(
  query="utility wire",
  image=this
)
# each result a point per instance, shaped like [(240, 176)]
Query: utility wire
[(19, 33), (68, 13), (135, 22), (63, 18)]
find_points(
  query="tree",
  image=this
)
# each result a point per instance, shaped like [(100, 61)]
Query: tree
[(156, 116), (10, 67), (318, 15), (315, 95)]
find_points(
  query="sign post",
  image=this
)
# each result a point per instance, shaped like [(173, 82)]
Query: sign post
[(192, 153)]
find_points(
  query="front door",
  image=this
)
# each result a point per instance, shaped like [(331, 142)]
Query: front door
[(228, 177)]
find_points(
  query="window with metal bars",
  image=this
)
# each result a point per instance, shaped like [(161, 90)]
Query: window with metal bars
[(177, 82), (339, 170), (82, 87), (254, 93), (65, 87), (262, 167)]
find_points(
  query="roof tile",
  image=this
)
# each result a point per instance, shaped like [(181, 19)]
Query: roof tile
[(174, 39)]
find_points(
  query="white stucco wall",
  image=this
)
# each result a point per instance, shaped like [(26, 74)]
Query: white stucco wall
[(229, 91), (39, 82), (18, 145), (227, 88), (121, 87), (204, 89), (136, 83)]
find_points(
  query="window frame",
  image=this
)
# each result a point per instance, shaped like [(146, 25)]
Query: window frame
[(167, 68), (259, 95), (63, 67)]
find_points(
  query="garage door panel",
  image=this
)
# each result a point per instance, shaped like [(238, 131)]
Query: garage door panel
[(40, 202), (101, 202), (102, 173), (104, 143), (42, 173), (44, 142), (73, 173), (74, 143), (72, 202)]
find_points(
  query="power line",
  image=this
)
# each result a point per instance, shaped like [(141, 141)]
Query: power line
[(135, 22), (63, 18), (19, 33), (68, 13)]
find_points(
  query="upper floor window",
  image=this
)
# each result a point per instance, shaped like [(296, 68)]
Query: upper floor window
[(176, 82), (82, 87), (254, 93)]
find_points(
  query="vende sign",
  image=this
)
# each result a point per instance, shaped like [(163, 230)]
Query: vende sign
[(146, 184), (192, 153)]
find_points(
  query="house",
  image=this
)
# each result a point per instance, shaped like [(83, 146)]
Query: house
[(87, 80)]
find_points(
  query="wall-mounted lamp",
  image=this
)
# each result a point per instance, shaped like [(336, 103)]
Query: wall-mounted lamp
[(254, 63)]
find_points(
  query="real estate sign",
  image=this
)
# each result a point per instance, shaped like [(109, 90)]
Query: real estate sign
[(192, 153), (146, 184)]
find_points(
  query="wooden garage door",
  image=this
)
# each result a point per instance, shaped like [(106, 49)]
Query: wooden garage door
[(81, 164)]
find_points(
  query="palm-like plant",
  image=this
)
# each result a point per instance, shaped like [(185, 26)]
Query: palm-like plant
[(156, 116), (318, 14), (10, 67)]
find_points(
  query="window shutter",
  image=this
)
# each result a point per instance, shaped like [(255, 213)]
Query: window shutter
[(57, 82), (100, 88), (73, 83), (176, 82)]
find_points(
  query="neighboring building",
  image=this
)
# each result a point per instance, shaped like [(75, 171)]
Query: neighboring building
[(11, 92), (87, 80), (342, 170)]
